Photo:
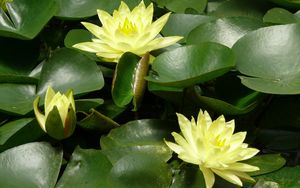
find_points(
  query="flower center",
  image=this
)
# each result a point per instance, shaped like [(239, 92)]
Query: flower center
[(219, 142), (128, 27)]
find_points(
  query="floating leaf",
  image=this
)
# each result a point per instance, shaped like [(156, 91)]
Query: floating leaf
[(87, 168), (68, 69), (287, 177), (25, 18), (267, 163), (144, 136), (270, 57), (189, 65), (31, 165), (182, 24), (225, 31), (139, 170)]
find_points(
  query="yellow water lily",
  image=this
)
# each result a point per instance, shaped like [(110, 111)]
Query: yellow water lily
[(59, 120), (127, 31), (214, 147)]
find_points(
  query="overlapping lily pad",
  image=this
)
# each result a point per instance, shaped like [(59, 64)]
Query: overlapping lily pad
[(143, 136), (87, 168), (26, 18), (182, 24), (189, 65), (225, 31), (270, 59), (30, 165)]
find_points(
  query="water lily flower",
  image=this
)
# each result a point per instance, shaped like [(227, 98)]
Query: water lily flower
[(127, 31), (60, 119), (214, 148)]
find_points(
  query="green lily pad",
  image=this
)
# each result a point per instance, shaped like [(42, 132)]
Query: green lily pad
[(287, 177), (270, 59), (68, 69), (180, 6), (145, 136), (182, 24), (19, 132), (267, 163), (95, 121), (31, 165), (26, 18), (225, 31), (84, 105), (280, 16), (189, 65), (188, 177), (70, 9), (128, 83), (240, 8), (10, 128), (16, 98), (139, 170), (87, 168)]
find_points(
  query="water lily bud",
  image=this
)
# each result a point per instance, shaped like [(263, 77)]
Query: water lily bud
[(214, 147), (59, 120)]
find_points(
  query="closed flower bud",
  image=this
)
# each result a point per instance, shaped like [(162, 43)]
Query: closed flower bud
[(59, 120)]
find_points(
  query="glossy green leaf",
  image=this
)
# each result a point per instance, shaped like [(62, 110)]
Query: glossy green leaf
[(10, 128), (240, 8), (31, 165), (180, 6), (188, 177), (182, 24), (295, 4), (189, 65), (239, 104), (26, 18), (267, 55), (280, 16), (70, 9), (75, 36), (95, 121), (16, 98), (145, 136), (139, 170), (87, 168), (173, 94), (287, 177), (110, 110), (225, 31), (128, 82), (122, 88), (17, 136), (68, 69), (266, 163), (85, 105)]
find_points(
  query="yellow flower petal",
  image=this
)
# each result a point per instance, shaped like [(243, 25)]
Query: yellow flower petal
[(39, 116), (209, 177), (128, 31), (229, 176), (213, 146), (94, 29)]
